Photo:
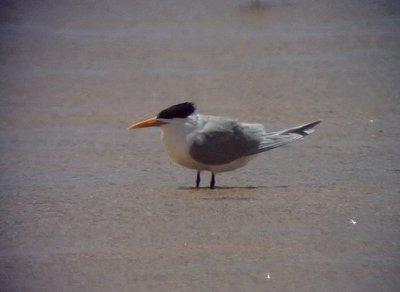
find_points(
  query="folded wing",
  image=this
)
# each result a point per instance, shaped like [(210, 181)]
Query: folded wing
[(222, 141)]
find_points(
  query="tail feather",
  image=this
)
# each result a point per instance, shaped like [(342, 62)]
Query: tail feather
[(303, 130), (280, 138)]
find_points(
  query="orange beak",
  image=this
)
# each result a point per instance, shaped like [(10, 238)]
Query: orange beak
[(152, 122)]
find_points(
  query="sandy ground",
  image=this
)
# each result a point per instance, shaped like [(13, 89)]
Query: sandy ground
[(88, 206)]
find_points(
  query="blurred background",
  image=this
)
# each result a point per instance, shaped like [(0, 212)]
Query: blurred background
[(87, 205)]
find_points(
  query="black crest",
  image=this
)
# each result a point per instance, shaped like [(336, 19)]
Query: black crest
[(181, 110)]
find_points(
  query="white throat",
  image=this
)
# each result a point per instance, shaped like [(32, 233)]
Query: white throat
[(177, 136)]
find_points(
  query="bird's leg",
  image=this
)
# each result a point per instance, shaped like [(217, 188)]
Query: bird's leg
[(198, 179), (212, 182)]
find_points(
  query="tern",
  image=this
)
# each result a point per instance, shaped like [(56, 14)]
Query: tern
[(215, 144)]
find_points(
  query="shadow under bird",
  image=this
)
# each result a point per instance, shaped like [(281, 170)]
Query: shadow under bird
[(215, 144)]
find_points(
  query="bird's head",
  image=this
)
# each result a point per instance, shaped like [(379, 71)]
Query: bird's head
[(177, 111)]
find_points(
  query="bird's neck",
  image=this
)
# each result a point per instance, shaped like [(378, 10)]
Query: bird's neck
[(178, 130), (176, 138)]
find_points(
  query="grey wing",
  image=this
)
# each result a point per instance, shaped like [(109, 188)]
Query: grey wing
[(221, 142)]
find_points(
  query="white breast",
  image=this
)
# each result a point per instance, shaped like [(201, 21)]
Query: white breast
[(177, 137)]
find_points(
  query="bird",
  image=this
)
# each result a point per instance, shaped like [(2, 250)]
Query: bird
[(215, 144)]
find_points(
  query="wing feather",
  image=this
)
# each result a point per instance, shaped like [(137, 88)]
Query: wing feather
[(221, 142)]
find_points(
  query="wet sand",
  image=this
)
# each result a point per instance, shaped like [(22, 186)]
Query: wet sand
[(88, 206)]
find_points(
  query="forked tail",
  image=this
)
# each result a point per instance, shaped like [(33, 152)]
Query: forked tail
[(303, 130), (276, 139)]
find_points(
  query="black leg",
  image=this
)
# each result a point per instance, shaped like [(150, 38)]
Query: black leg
[(212, 183), (198, 179)]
